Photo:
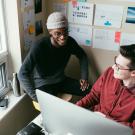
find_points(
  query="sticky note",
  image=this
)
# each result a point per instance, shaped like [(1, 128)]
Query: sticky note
[(117, 37)]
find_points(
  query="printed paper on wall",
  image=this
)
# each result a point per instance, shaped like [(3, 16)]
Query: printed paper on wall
[(108, 15), (106, 39), (127, 38), (29, 27), (80, 13), (82, 34)]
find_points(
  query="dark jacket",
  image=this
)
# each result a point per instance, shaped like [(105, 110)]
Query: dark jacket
[(45, 64)]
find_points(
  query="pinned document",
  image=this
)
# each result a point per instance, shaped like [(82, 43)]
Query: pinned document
[(127, 38), (108, 15), (106, 39), (80, 13), (82, 34)]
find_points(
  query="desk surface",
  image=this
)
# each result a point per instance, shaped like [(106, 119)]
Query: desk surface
[(38, 121)]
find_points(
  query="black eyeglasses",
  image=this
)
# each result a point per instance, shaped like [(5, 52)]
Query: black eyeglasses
[(58, 34), (119, 67)]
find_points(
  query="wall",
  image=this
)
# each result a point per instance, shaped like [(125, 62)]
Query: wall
[(42, 15), (13, 40), (99, 59)]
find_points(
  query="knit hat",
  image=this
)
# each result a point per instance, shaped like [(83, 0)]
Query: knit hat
[(56, 20)]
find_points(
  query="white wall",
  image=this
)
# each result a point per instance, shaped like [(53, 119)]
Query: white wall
[(13, 35)]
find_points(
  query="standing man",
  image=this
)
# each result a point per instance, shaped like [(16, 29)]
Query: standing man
[(113, 94), (44, 66)]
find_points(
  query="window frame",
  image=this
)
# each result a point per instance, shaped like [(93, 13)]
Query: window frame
[(3, 51)]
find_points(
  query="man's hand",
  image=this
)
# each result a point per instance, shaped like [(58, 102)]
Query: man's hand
[(84, 84)]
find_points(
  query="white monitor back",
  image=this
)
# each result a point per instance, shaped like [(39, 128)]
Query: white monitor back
[(63, 118)]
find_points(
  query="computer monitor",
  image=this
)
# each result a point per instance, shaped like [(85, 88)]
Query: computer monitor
[(64, 118)]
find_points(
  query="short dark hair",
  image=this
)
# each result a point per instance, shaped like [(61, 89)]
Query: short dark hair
[(128, 51)]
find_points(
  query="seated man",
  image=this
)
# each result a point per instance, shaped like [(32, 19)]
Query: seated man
[(113, 94), (43, 67)]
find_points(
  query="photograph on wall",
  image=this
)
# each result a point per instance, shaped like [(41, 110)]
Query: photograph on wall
[(130, 15), (38, 27), (38, 6)]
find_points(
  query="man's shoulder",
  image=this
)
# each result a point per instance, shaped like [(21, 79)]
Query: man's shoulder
[(71, 39), (42, 40), (41, 43), (109, 71), (72, 42)]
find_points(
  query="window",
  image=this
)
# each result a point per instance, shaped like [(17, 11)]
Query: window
[(3, 78), (3, 53)]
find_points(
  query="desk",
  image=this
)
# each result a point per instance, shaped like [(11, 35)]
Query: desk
[(38, 122)]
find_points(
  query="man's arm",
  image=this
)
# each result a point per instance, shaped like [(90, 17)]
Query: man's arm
[(89, 100), (93, 97), (26, 76), (81, 55)]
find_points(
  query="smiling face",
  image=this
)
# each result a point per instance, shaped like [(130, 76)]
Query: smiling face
[(59, 36)]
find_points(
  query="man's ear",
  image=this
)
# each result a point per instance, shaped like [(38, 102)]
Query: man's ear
[(133, 73)]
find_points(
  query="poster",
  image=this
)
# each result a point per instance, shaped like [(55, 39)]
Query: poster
[(106, 39), (80, 13), (108, 15), (127, 38), (81, 33)]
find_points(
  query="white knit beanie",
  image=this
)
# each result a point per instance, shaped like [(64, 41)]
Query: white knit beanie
[(56, 20)]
